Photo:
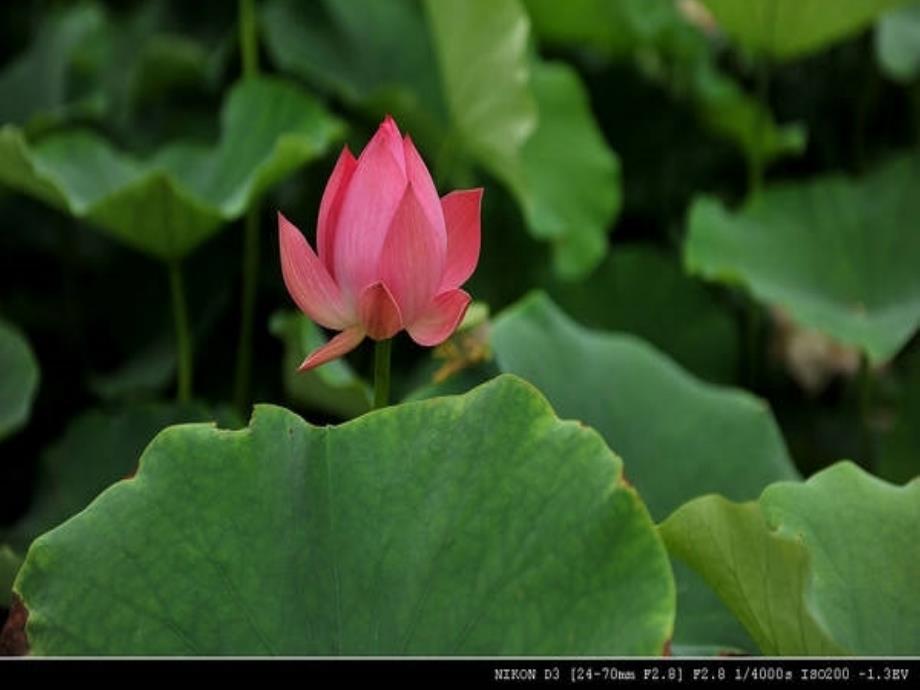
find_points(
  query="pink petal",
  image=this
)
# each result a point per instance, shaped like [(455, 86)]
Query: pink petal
[(308, 281), (393, 139), (331, 206), (371, 199), (441, 319), (461, 214), (412, 260), (379, 312), (341, 344), (419, 177)]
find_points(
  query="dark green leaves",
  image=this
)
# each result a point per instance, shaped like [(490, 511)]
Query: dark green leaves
[(34, 88), (471, 525), (168, 205), (674, 312), (674, 54)]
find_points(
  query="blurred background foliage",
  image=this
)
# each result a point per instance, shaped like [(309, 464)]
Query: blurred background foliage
[(679, 193)]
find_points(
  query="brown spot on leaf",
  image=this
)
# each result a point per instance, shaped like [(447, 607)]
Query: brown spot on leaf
[(666, 650), (13, 641)]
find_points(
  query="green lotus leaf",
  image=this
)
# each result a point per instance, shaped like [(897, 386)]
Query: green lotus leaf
[(800, 566), (97, 449), (680, 438), (788, 29), (615, 29), (839, 254), (475, 525), (371, 54), (168, 205), (34, 87)]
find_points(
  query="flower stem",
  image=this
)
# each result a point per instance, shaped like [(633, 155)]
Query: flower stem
[(183, 336), (382, 373), (757, 159), (249, 50), (249, 40)]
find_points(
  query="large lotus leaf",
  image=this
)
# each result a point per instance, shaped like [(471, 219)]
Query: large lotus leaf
[(333, 387), (801, 567), (170, 204), (674, 312), (34, 87), (840, 255), (680, 437), (787, 29), (478, 524), (19, 381), (97, 449), (897, 42)]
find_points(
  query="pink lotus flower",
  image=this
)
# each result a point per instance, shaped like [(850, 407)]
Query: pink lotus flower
[(392, 255)]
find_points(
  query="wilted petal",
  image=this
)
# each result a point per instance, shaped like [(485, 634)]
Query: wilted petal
[(441, 319), (419, 178), (412, 261), (379, 312), (308, 281), (331, 206), (340, 345), (462, 217), (371, 199)]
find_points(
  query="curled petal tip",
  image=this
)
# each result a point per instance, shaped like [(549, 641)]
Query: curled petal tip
[(340, 345)]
